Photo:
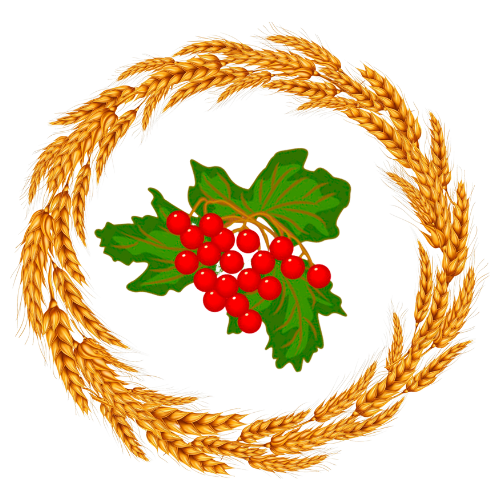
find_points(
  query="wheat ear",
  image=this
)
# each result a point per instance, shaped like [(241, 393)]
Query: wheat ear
[(95, 370)]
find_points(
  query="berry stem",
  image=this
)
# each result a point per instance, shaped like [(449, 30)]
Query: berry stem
[(283, 230), (196, 205), (304, 253), (234, 219), (239, 229), (252, 218), (258, 303), (206, 202)]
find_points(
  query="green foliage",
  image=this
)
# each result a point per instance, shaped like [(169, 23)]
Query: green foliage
[(306, 203), (148, 240), (300, 203)]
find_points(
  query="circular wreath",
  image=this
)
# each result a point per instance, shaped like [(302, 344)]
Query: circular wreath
[(89, 370)]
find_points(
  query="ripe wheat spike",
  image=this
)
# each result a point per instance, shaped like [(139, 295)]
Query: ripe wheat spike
[(49, 264)]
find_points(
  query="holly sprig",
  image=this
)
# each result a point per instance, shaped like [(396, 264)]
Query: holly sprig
[(285, 202), (301, 204)]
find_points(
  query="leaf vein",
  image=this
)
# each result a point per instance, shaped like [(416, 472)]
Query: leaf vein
[(315, 188), (272, 188), (299, 329), (291, 221), (317, 217), (312, 327), (288, 320), (245, 204), (288, 189)]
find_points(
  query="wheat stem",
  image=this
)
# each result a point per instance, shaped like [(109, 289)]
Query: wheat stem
[(87, 365)]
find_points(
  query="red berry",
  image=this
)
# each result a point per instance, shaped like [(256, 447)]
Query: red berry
[(208, 254), (248, 241), (192, 237), (186, 262), (293, 267), (224, 240), (231, 262), (270, 288), (319, 276), (281, 247), (205, 280), (237, 305), (213, 301), (178, 222), (250, 321), (248, 280), (226, 285), (263, 262), (211, 224)]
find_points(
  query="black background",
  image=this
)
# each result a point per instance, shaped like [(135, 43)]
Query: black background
[(371, 260)]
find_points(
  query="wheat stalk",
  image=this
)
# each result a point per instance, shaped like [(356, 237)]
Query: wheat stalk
[(49, 262)]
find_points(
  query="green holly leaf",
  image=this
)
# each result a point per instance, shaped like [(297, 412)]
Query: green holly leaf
[(291, 320), (148, 240), (303, 203)]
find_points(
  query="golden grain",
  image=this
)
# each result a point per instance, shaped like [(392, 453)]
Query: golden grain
[(215, 65)]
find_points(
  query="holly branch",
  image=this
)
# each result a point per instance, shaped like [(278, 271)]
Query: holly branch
[(288, 205)]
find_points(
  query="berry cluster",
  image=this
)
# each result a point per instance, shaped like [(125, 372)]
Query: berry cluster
[(222, 291)]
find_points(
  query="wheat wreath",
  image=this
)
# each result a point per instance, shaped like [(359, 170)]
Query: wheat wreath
[(52, 280)]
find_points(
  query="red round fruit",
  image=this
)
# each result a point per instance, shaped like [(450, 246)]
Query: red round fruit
[(250, 321), (281, 247), (224, 240), (237, 305), (293, 267), (248, 241), (263, 262), (192, 237), (232, 262), (186, 262), (213, 301), (270, 288), (205, 280), (211, 224), (226, 285), (319, 276), (248, 280), (208, 254), (178, 222)]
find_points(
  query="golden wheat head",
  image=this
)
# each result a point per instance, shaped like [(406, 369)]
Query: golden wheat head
[(53, 290)]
